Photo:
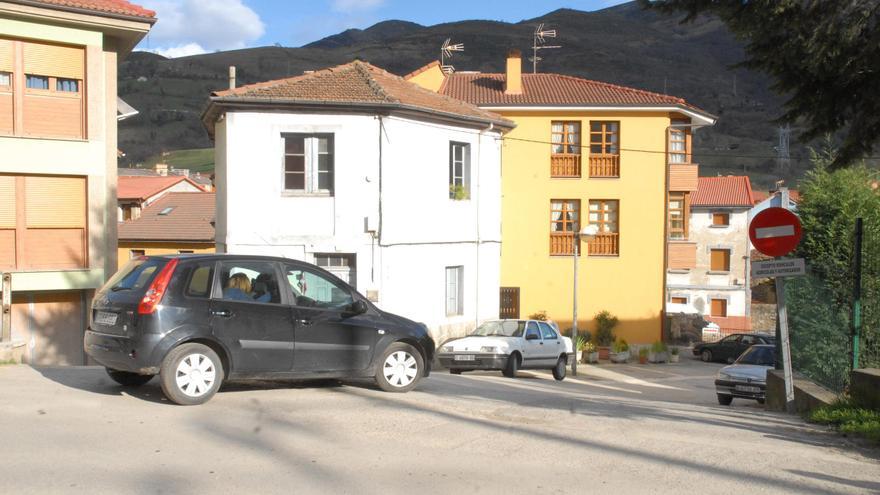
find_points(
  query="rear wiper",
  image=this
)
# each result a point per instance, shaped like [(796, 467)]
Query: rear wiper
[(117, 288)]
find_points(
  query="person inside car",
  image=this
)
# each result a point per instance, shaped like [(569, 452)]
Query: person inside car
[(238, 288)]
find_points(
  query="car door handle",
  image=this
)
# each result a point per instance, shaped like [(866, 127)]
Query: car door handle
[(304, 323), (225, 313)]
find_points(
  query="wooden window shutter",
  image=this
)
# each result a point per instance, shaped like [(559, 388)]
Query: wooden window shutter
[(53, 60), (719, 307), (720, 261), (7, 202), (6, 56), (55, 202)]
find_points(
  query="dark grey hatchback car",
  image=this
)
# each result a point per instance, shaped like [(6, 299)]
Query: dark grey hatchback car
[(196, 320)]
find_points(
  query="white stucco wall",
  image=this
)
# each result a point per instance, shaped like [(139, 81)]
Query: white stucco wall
[(418, 233)]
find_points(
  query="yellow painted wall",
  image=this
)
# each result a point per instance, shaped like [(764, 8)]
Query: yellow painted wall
[(154, 248), (629, 285), (430, 79)]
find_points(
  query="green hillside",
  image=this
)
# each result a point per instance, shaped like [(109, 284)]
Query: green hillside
[(196, 160)]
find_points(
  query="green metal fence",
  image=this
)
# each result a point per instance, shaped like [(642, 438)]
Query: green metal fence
[(869, 341)]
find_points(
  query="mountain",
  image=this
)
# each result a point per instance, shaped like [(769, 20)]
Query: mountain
[(622, 45)]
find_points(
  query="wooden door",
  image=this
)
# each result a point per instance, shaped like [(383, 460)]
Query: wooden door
[(509, 303)]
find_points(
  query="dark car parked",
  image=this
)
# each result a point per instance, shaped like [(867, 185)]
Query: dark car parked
[(731, 347), (196, 320)]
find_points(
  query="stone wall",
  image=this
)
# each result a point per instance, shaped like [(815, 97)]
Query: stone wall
[(764, 317)]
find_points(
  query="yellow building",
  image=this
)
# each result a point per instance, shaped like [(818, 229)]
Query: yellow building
[(177, 223), (585, 151)]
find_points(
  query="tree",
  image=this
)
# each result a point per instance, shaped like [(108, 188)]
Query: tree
[(823, 54)]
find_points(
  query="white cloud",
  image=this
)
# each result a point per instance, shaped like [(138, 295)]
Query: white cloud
[(350, 5), (189, 27)]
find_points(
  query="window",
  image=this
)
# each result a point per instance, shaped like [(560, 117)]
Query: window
[(308, 163), (604, 138), (185, 251), (719, 307), (5, 79), (564, 222), (547, 331), (459, 171), (532, 331), (678, 143), (720, 260), (136, 253), (732, 339), (678, 215), (67, 85), (249, 281), (135, 275), (720, 219), (748, 340), (200, 279), (678, 300), (566, 138), (454, 290), (36, 82), (166, 211), (314, 290), (341, 265), (604, 215)]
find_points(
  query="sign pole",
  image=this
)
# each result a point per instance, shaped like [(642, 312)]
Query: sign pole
[(782, 318)]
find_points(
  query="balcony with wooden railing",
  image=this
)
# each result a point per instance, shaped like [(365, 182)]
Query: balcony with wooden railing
[(604, 244), (604, 165), (565, 165)]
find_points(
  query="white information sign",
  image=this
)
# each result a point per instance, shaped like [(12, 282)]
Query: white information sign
[(789, 267)]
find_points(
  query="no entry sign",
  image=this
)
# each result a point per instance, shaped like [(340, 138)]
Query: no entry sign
[(775, 231)]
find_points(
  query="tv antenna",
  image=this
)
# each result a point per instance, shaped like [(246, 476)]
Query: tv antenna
[(446, 52), (538, 40)]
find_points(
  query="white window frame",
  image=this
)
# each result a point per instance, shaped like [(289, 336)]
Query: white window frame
[(311, 154), (5, 79), (464, 179), (454, 290)]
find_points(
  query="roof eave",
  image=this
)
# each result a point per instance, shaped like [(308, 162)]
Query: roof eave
[(703, 118), (80, 10)]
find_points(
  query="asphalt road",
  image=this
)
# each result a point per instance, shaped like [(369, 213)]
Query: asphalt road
[(619, 429)]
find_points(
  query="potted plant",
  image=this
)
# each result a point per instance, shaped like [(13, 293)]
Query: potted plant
[(581, 345), (643, 355), (673, 355), (605, 323), (591, 353), (458, 192), (620, 351), (659, 353)]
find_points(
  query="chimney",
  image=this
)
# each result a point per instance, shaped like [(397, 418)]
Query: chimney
[(231, 77), (513, 76)]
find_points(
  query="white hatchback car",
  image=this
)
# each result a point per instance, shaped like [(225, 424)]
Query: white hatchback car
[(508, 345)]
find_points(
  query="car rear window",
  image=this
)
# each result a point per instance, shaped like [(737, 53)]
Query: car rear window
[(136, 275)]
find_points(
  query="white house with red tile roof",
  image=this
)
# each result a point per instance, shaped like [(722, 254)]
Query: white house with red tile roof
[(717, 285), (392, 187)]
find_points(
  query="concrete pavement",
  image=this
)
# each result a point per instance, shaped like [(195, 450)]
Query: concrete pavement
[(619, 428)]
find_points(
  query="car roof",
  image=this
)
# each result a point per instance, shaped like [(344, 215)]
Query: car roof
[(223, 256)]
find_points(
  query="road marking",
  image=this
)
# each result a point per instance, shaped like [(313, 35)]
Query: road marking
[(779, 231)]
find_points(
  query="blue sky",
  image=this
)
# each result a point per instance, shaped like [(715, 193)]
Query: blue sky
[(188, 27)]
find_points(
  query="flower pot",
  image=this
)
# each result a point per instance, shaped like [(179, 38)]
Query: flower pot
[(580, 356), (604, 352), (619, 357), (643, 359), (673, 358), (658, 357), (593, 357)]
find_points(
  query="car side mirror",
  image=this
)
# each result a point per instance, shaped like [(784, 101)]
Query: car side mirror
[(532, 337), (356, 308)]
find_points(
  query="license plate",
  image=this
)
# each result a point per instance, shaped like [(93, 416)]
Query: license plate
[(746, 388), (105, 318), (464, 357)]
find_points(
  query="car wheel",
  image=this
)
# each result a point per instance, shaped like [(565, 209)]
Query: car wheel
[(706, 356), (559, 369), (128, 379), (191, 374), (454, 371), (512, 366), (400, 368), (725, 400)]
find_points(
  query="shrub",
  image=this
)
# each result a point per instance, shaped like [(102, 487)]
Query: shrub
[(582, 342), (620, 346), (849, 419), (542, 316), (659, 347), (605, 323), (643, 353), (589, 347), (675, 351)]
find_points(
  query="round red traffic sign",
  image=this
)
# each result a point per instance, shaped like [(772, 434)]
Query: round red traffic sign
[(775, 231)]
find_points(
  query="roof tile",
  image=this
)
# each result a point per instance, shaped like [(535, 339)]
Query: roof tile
[(120, 7), (142, 187), (731, 190), (189, 220)]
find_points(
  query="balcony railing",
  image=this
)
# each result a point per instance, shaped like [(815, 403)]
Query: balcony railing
[(604, 165), (605, 244), (565, 165)]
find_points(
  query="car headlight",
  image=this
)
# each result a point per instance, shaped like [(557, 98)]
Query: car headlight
[(489, 349), (724, 376), (446, 348)]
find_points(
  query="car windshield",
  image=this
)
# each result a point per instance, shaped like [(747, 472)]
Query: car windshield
[(135, 275), (758, 355), (507, 328)]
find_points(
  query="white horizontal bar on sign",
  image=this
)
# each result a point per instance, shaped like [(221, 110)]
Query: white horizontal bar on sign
[(780, 231)]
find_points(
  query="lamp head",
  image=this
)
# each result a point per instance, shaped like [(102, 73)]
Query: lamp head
[(590, 231)]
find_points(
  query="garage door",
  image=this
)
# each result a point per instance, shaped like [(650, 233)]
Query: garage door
[(52, 325)]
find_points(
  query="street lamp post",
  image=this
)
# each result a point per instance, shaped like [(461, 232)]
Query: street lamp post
[(588, 233)]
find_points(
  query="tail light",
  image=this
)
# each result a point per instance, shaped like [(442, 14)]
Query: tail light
[(157, 289)]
